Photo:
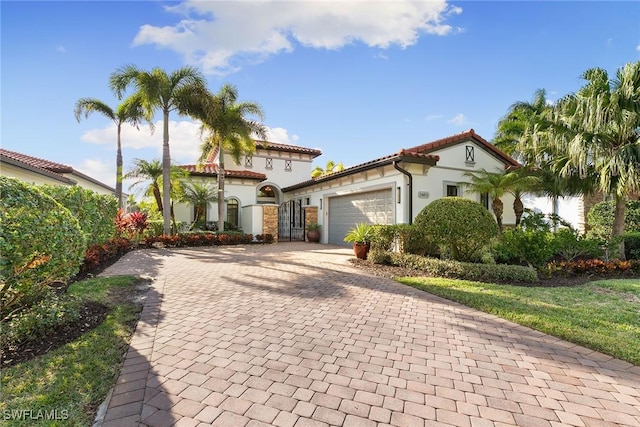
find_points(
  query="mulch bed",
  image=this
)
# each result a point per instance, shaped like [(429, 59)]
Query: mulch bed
[(92, 314), (392, 272)]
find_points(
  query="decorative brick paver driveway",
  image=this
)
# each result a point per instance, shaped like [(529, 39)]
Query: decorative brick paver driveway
[(292, 335)]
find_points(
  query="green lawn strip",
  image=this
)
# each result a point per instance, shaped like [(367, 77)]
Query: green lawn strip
[(602, 315), (77, 376)]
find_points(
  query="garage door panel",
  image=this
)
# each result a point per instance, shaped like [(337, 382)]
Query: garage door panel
[(373, 207)]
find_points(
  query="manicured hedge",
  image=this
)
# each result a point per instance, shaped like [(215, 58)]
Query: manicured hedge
[(40, 242), (600, 219), (460, 227), (95, 212), (466, 270), (200, 239)]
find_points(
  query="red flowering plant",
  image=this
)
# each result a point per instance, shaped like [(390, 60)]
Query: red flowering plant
[(131, 225)]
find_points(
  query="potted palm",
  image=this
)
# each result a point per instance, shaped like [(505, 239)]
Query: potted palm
[(360, 235), (313, 232)]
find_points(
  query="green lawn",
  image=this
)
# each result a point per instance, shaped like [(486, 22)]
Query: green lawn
[(602, 315), (71, 381)]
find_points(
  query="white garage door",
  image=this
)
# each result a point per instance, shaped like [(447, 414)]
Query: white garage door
[(374, 207)]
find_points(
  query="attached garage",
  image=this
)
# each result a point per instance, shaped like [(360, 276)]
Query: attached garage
[(373, 207)]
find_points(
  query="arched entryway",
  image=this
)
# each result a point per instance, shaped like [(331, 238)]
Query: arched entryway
[(268, 193)]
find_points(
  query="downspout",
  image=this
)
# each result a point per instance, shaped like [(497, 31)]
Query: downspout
[(405, 172)]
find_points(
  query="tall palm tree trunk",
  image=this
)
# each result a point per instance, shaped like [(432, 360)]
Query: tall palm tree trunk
[(618, 225), (119, 169), (518, 209), (221, 206), (166, 178), (498, 207)]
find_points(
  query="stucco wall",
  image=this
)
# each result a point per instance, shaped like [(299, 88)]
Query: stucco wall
[(26, 176)]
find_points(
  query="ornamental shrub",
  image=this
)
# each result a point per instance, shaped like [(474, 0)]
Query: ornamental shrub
[(600, 219), (40, 242), (460, 227), (95, 212), (632, 245), (466, 270)]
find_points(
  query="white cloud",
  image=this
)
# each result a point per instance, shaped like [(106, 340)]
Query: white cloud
[(281, 135), (184, 139), (104, 170), (220, 36), (458, 120), (61, 49), (638, 48)]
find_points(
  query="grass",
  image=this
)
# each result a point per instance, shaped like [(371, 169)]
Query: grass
[(602, 315), (71, 381)]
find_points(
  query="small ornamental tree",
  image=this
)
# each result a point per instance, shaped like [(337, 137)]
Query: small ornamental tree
[(461, 227), (40, 242)]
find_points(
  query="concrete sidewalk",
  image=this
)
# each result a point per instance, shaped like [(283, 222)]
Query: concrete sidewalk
[(292, 335)]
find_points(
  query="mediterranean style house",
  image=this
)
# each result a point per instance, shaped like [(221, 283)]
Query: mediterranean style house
[(39, 171), (275, 182)]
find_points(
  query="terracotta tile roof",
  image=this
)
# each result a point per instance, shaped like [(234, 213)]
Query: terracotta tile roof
[(372, 164), (454, 139), (274, 146), (420, 153), (211, 169), (266, 145), (37, 162)]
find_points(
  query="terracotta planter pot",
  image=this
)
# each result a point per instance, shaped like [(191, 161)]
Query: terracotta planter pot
[(361, 250), (313, 236)]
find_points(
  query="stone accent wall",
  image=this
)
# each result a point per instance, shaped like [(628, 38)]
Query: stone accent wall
[(310, 215), (270, 221)]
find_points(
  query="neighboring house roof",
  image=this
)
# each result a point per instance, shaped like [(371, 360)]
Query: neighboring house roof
[(465, 136), (275, 146), (36, 165), (417, 154), (401, 155), (47, 167), (211, 169)]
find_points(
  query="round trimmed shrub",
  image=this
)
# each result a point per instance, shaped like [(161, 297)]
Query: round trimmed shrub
[(460, 227), (40, 242)]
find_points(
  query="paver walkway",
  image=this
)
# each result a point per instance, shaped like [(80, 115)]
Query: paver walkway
[(292, 335)]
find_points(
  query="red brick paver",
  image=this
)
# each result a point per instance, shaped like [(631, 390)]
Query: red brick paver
[(292, 335)]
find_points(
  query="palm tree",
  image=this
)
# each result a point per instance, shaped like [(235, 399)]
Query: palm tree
[(330, 168), (129, 111), (179, 91), (599, 130), (227, 128), (152, 173), (497, 184), (199, 195), (527, 133), (521, 133), (148, 172)]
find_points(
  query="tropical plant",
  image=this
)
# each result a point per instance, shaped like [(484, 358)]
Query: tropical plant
[(312, 226), (225, 127), (598, 128), (180, 91), (330, 168), (520, 131), (129, 111), (496, 185), (361, 233), (152, 173), (199, 195), (526, 132), (461, 227)]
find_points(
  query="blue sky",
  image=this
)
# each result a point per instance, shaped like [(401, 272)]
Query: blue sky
[(356, 79)]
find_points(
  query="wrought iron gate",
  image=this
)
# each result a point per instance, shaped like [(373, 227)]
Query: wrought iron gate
[(291, 221)]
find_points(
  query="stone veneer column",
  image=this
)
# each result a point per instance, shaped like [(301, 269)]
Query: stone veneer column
[(310, 215), (270, 221)]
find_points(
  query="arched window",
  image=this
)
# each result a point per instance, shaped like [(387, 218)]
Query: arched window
[(233, 213), (268, 193)]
